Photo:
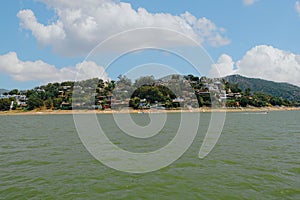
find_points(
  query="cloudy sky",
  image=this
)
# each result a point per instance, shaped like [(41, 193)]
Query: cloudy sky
[(48, 40)]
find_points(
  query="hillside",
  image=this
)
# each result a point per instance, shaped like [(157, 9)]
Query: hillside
[(284, 90), (3, 91)]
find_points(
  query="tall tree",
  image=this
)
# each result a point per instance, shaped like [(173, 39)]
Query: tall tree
[(34, 102)]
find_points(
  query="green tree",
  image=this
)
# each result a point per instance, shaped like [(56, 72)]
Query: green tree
[(168, 104), (49, 104), (135, 102), (247, 91), (144, 80), (14, 92), (287, 102), (57, 102), (275, 101), (244, 101), (154, 93), (200, 101), (234, 87), (34, 102), (230, 103), (5, 104), (124, 80)]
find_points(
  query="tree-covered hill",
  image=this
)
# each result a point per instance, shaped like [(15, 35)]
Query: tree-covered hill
[(171, 92), (284, 90), (3, 91)]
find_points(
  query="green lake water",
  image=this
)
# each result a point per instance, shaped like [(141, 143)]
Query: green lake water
[(256, 157)]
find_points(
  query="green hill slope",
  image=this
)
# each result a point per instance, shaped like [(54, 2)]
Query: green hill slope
[(3, 91), (284, 90)]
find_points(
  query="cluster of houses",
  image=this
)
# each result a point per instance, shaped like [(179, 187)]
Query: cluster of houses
[(186, 96), (120, 96), (65, 93), (102, 98), (20, 100)]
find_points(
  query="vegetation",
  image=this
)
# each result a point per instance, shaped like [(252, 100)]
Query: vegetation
[(5, 104), (2, 91), (146, 91), (280, 90), (154, 93), (35, 101)]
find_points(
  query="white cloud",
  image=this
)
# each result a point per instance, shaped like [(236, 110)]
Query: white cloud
[(223, 67), (297, 7), (264, 62), (44, 34), (39, 70), (81, 25), (249, 2), (270, 63)]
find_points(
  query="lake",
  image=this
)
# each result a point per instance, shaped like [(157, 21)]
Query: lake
[(256, 157)]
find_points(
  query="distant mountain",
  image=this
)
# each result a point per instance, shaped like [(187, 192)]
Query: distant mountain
[(3, 91), (284, 90)]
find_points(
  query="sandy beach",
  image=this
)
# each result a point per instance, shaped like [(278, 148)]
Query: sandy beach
[(202, 110)]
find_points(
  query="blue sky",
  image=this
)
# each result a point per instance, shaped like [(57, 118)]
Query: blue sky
[(44, 41)]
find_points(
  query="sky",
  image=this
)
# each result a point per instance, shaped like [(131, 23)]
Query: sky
[(57, 40)]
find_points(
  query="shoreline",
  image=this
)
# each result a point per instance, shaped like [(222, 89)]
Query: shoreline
[(131, 111)]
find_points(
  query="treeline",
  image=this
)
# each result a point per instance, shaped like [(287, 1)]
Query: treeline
[(258, 99), (143, 93), (5, 104), (284, 90), (255, 99), (146, 95), (235, 96)]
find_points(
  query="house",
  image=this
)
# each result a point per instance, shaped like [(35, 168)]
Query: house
[(65, 106)]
